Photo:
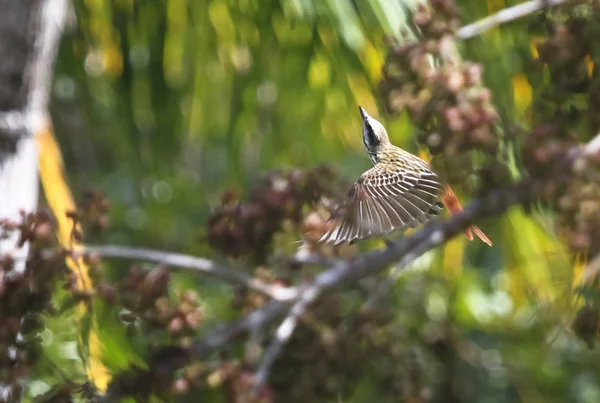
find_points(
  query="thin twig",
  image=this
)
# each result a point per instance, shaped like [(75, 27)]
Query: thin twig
[(506, 15), (283, 334), (591, 270), (205, 266), (407, 252), (170, 359), (591, 148), (368, 264), (226, 334), (404, 251)]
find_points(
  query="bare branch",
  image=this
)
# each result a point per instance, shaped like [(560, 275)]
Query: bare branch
[(283, 335), (591, 270), (406, 249), (507, 15), (593, 147), (205, 266), (403, 251)]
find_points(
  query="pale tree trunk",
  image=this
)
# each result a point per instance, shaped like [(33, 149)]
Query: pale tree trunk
[(30, 31)]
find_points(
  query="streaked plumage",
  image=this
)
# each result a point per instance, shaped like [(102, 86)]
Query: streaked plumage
[(399, 192)]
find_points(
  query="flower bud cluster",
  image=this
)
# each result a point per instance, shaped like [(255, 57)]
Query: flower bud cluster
[(246, 229), (26, 295), (144, 298), (448, 103), (565, 113), (578, 206)]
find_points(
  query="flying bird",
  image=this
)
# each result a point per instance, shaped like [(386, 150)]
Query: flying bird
[(399, 192)]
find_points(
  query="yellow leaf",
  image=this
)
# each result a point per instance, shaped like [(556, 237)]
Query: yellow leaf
[(521, 92), (362, 94), (529, 252), (535, 41), (372, 59), (424, 155), (222, 23), (60, 201), (319, 72), (112, 61), (454, 251), (590, 64)]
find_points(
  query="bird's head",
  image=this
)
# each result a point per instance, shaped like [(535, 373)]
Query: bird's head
[(375, 136)]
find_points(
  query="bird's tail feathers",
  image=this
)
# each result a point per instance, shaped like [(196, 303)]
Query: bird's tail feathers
[(454, 207)]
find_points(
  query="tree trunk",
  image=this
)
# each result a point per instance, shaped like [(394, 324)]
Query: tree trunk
[(29, 35)]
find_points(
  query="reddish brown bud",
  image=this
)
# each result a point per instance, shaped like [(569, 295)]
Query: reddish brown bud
[(176, 325), (193, 319)]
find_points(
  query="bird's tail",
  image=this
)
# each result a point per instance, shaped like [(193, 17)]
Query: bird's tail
[(454, 207)]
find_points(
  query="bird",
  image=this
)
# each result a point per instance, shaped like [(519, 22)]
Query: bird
[(400, 191)]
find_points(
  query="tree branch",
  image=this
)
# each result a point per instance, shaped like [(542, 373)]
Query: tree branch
[(206, 266), (283, 334), (507, 15), (403, 252), (406, 249)]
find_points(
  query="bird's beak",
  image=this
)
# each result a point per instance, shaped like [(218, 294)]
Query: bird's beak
[(363, 113)]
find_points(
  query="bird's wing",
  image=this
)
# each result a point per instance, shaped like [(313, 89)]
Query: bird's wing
[(383, 201)]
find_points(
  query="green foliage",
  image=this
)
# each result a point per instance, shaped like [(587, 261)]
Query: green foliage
[(164, 106)]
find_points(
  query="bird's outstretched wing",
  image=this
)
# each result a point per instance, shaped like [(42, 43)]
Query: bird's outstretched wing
[(385, 200)]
